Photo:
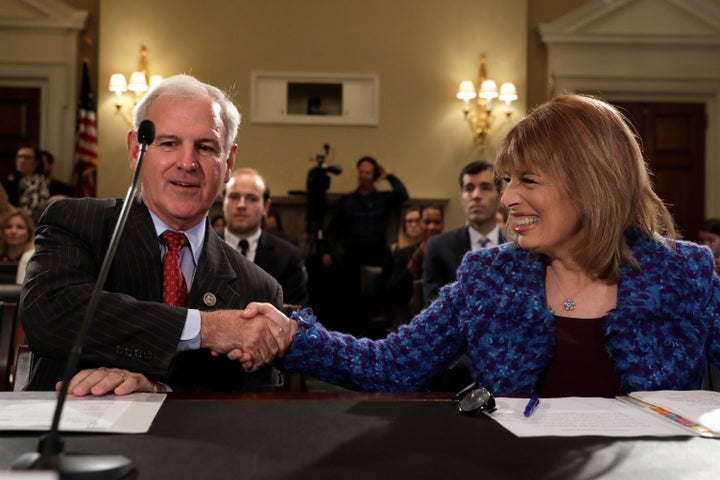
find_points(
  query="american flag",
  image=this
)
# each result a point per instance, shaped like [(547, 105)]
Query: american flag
[(84, 178)]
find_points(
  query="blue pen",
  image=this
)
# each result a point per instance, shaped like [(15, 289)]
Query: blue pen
[(532, 405)]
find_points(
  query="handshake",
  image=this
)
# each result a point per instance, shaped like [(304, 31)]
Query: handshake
[(254, 336)]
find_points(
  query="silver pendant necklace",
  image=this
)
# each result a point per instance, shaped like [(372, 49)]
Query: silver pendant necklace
[(568, 303)]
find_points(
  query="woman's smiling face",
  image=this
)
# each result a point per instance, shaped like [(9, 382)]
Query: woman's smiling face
[(541, 213)]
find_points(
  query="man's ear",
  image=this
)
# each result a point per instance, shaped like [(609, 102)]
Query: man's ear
[(230, 163), (133, 149)]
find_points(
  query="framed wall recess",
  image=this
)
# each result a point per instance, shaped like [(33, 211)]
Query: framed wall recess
[(314, 98)]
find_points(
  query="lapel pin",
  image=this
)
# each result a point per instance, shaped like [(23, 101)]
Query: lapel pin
[(209, 299)]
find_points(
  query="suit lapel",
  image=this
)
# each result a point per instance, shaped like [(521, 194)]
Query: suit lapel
[(137, 268), (264, 252), (213, 276)]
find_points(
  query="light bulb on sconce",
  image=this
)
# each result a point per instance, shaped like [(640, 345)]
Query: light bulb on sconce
[(140, 82), (478, 105)]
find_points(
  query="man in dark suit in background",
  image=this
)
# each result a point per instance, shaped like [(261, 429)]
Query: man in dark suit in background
[(480, 199), (55, 186), (176, 343), (246, 201)]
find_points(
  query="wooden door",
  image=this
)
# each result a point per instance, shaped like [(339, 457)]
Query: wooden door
[(673, 136), (19, 123)]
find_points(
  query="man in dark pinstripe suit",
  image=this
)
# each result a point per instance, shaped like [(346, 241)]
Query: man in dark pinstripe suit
[(137, 343)]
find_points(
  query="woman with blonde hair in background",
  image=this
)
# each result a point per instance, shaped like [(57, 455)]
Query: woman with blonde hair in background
[(17, 242)]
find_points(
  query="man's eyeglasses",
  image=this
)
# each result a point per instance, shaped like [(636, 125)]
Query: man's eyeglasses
[(474, 399)]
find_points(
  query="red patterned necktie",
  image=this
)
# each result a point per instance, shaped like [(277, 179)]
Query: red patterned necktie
[(174, 286)]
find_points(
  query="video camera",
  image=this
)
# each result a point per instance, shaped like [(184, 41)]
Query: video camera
[(318, 182)]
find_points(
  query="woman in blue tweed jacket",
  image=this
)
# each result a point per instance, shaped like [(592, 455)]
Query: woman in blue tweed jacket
[(591, 297), (587, 299)]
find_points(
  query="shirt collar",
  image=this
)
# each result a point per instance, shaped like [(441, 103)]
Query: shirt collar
[(195, 235), (233, 239), (493, 236), (252, 240)]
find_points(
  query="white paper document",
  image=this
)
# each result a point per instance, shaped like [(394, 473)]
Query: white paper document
[(132, 413), (580, 416)]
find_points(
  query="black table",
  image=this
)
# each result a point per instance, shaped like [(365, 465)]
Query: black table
[(374, 436)]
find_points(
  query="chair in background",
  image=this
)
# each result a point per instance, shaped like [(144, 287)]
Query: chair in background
[(371, 298), (8, 272), (22, 368), (10, 292), (8, 335)]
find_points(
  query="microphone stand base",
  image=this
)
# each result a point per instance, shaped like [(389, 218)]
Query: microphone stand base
[(77, 466)]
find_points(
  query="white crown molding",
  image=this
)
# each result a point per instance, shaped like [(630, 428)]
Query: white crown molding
[(659, 22), (45, 14)]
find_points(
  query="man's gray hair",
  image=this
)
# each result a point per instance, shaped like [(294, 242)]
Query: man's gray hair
[(186, 86)]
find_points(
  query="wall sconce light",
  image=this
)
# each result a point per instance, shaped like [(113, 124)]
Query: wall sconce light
[(140, 82), (481, 117)]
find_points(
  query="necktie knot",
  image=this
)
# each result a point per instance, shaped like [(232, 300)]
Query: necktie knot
[(174, 240), (244, 246), (484, 242)]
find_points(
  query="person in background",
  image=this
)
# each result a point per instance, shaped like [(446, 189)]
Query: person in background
[(480, 200), (359, 224), (17, 236), (357, 233), (405, 266), (26, 186), (590, 297), (167, 333), (272, 223), (246, 201), (410, 232), (218, 224), (709, 236), (55, 186)]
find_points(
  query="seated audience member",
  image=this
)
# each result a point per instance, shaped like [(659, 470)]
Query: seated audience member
[(480, 200), (17, 236), (410, 232), (26, 186), (272, 223), (165, 331), (405, 266), (710, 237), (55, 186), (218, 224), (247, 199), (571, 305)]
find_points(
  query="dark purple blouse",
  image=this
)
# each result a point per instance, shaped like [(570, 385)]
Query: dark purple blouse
[(580, 366)]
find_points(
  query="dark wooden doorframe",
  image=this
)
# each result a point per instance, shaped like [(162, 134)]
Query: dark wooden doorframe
[(19, 123), (673, 137)]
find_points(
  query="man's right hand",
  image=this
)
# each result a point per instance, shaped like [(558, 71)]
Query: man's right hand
[(267, 313), (255, 340)]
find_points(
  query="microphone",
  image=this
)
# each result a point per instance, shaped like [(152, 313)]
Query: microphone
[(50, 454)]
